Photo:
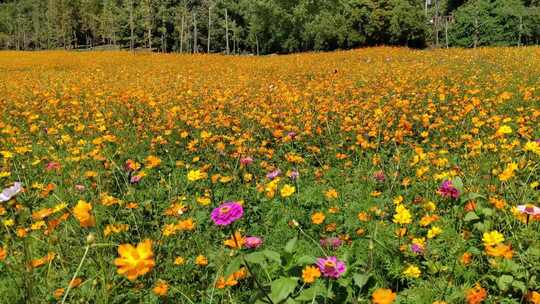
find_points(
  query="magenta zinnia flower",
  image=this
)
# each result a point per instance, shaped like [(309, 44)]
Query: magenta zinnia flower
[(253, 242), (417, 248), (447, 189), (227, 213), (331, 267)]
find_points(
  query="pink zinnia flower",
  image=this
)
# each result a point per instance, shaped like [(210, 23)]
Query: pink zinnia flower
[(52, 166), (273, 174), (529, 209), (447, 189), (331, 242), (292, 135), (246, 161), (80, 187), (331, 267), (135, 179), (227, 213), (379, 176), (10, 192), (253, 242)]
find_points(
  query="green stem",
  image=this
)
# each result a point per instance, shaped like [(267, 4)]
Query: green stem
[(75, 274)]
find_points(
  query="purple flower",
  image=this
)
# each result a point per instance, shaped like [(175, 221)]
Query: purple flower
[(253, 242), (331, 267), (10, 192), (273, 174), (379, 176), (447, 189), (294, 174), (331, 242), (245, 161), (417, 248), (537, 141), (529, 209), (227, 213)]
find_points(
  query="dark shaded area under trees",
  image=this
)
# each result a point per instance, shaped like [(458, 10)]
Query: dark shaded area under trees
[(265, 26)]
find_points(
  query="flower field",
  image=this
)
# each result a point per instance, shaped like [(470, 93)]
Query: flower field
[(379, 175)]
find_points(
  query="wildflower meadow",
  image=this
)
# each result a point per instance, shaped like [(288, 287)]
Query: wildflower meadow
[(377, 175)]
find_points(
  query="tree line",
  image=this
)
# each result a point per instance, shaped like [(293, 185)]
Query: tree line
[(265, 26)]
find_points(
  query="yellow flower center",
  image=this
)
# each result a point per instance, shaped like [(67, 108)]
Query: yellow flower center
[(224, 209), (329, 265)]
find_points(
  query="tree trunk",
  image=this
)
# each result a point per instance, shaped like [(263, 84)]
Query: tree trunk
[(257, 42), (226, 32), (475, 38), (131, 27), (446, 30), (520, 29), (194, 33), (209, 27), (182, 34)]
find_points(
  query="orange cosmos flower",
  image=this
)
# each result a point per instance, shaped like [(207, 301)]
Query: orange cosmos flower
[(500, 250), (310, 274), (3, 253), (476, 295), (161, 288), (235, 242), (317, 218), (135, 261), (83, 215), (383, 296)]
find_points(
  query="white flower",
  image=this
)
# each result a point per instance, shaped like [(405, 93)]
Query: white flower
[(10, 192)]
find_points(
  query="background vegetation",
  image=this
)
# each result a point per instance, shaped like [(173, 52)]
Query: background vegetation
[(265, 26)]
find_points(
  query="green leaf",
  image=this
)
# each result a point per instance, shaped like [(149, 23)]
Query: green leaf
[(272, 255), (458, 183), (310, 293), (471, 196), (256, 258), (361, 279), (306, 260), (471, 216), (504, 281), (233, 266), (487, 212), (289, 247), (519, 285), (281, 288)]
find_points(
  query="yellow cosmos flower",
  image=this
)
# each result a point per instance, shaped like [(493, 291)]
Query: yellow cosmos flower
[(504, 129), (195, 175), (433, 232), (152, 161), (402, 215), (492, 238), (287, 190), (412, 272)]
